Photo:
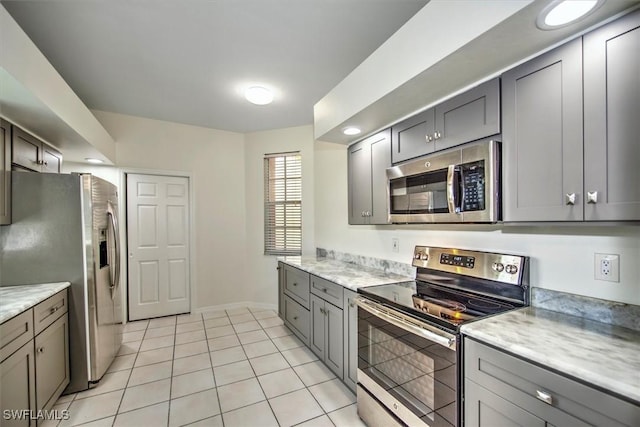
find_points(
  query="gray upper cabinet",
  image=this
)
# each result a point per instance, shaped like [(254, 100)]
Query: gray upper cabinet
[(367, 163), (471, 115), (413, 137), (611, 121), (5, 172), (31, 154), (542, 137), (467, 117)]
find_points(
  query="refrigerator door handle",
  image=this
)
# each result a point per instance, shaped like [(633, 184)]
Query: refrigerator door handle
[(116, 235)]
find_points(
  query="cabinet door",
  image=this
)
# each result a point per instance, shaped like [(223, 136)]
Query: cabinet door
[(51, 160), (359, 180), (26, 150), (413, 137), (612, 128), (483, 408), (542, 137), (52, 363), (350, 316), (334, 339), (469, 116), (17, 386), (317, 338), (281, 290), (5, 172), (380, 161)]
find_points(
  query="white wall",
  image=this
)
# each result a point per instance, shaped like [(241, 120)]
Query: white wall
[(215, 161), (562, 257), (262, 284)]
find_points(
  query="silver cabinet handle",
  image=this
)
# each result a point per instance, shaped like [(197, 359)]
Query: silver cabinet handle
[(437, 135), (295, 317), (570, 198), (54, 309), (592, 197), (41, 350), (352, 305), (324, 290), (429, 138), (295, 284), (544, 396)]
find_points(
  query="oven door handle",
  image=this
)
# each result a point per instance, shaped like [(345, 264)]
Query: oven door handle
[(410, 325)]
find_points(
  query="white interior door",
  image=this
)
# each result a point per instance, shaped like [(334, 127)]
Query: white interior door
[(158, 242)]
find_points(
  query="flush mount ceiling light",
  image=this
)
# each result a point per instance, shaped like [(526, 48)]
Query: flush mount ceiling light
[(564, 12), (91, 160), (351, 130), (258, 95)]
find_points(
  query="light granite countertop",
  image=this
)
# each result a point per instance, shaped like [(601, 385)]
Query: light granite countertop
[(596, 353), (351, 276), (16, 299)]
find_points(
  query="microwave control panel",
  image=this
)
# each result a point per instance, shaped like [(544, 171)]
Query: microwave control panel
[(473, 190)]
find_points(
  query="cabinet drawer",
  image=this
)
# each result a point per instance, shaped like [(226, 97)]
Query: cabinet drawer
[(49, 310), (537, 390), (328, 291), (15, 332), (297, 318), (296, 285)]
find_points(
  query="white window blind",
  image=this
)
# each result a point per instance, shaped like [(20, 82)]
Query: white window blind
[(283, 204)]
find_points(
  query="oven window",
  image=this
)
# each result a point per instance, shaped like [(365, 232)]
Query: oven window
[(417, 372), (420, 194)]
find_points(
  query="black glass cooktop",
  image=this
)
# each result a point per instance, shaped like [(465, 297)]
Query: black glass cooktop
[(443, 306)]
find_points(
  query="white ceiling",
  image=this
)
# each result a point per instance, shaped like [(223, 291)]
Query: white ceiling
[(186, 60)]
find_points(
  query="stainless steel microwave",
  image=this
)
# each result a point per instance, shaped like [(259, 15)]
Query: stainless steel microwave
[(459, 185)]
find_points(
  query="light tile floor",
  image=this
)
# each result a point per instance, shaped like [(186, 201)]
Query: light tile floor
[(239, 367)]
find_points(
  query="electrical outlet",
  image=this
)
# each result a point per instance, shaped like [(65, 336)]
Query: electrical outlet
[(607, 267), (395, 244)]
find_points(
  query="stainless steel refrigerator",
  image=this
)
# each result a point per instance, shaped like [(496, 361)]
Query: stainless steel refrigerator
[(65, 228)]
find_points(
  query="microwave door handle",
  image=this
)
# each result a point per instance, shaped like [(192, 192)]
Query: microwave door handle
[(451, 184)]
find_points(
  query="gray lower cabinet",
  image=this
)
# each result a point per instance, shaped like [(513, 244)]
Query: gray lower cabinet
[(611, 125), (350, 323), (501, 389), (542, 137), (570, 130), (466, 117), (5, 172), (367, 179), (34, 354), (327, 334), (295, 300)]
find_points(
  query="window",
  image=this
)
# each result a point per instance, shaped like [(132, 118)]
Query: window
[(283, 204)]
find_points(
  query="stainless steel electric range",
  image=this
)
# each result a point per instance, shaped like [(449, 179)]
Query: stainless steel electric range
[(409, 358)]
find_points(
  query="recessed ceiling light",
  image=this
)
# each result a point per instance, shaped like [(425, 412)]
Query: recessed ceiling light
[(563, 12), (258, 95), (351, 130), (91, 160)]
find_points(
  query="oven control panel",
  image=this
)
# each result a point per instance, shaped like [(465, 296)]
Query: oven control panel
[(484, 265)]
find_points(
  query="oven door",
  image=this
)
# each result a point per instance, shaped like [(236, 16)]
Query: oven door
[(409, 367)]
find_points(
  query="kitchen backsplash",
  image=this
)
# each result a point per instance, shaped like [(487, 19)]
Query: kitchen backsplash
[(614, 313), (381, 264)]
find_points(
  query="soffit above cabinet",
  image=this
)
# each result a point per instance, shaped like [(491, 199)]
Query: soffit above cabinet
[(446, 48), (36, 98)]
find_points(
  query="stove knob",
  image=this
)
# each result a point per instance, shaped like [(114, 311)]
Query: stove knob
[(498, 266), (512, 269), (424, 257)]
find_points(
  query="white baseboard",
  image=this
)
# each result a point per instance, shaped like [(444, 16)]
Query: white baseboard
[(248, 304)]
